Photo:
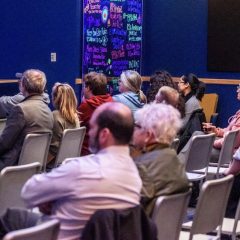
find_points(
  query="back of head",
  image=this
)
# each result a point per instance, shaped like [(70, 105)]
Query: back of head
[(133, 82), (34, 81), (64, 100), (97, 83), (167, 95), (118, 119), (197, 87), (162, 120), (157, 80)]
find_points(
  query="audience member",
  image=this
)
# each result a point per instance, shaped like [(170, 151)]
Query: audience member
[(8, 102), (193, 90), (65, 116), (233, 124), (234, 169), (169, 95), (156, 125), (158, 80), (107, 179), (32, 115), (95, 94), (131, 94)]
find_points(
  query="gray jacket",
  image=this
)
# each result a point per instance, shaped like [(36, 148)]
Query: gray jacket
[(32, 115), (8, 102)]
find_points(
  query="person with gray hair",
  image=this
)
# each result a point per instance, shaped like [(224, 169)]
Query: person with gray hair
[(32, 115), (131, 95), (156, 126), (8, 102)]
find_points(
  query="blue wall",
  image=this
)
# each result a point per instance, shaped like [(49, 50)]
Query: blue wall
[(31, 30), (175, 39)]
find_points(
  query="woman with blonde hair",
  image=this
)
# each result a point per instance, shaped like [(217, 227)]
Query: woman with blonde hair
[(131, 94), (65, 116)]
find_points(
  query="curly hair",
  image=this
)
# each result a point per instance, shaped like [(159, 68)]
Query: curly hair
[(157, 80)]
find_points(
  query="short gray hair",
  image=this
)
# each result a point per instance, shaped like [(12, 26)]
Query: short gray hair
[(160, 119), (34, 81)]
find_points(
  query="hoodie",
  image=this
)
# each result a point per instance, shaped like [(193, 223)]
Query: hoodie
[(129, 99), (86, 109)]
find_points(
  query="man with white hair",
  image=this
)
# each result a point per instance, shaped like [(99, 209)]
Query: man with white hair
[(32, 115), (156, 126)]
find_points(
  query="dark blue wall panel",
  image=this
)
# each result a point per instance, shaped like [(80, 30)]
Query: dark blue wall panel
[(31, 30)]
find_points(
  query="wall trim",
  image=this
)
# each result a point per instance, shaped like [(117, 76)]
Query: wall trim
[(219, 81)]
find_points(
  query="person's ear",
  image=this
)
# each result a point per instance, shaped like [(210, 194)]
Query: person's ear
[(104, 135), (148, 137)]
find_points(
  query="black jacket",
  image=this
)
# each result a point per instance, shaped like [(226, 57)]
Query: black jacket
[(129, 224), (194, 124)]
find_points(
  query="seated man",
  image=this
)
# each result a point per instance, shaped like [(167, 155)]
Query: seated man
[(108, 179), (8, 102), (95, 94), (32, 115), (159, 167)]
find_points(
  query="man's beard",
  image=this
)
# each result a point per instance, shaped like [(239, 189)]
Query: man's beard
[(94, 143)]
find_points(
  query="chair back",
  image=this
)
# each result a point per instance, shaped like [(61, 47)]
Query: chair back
[(12, 180), (71, 144), (2, 123), (199, 152), (211, 206), (168, 215), (46, 231), (209, 104), (228, 146), (35, 149)]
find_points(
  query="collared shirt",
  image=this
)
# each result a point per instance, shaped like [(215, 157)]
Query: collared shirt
[(83, 185)]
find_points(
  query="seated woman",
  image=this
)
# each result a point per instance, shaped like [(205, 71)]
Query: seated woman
[(130, 90), (233, 124), (162, 173), (158, 80), (192, 90), (65, 116), (169, 95)]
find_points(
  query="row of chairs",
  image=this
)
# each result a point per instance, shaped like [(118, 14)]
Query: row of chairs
[(32, 160), (36, 146), (199, 153), (168, 215), (170, 211)]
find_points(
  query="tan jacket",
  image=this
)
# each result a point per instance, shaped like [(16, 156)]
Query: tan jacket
[(161, 173), (32, 115)]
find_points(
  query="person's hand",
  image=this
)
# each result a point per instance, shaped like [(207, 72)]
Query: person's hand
[(209, 128), (45, 208)]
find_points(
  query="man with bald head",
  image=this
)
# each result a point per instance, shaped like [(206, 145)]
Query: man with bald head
[(107, 179)]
